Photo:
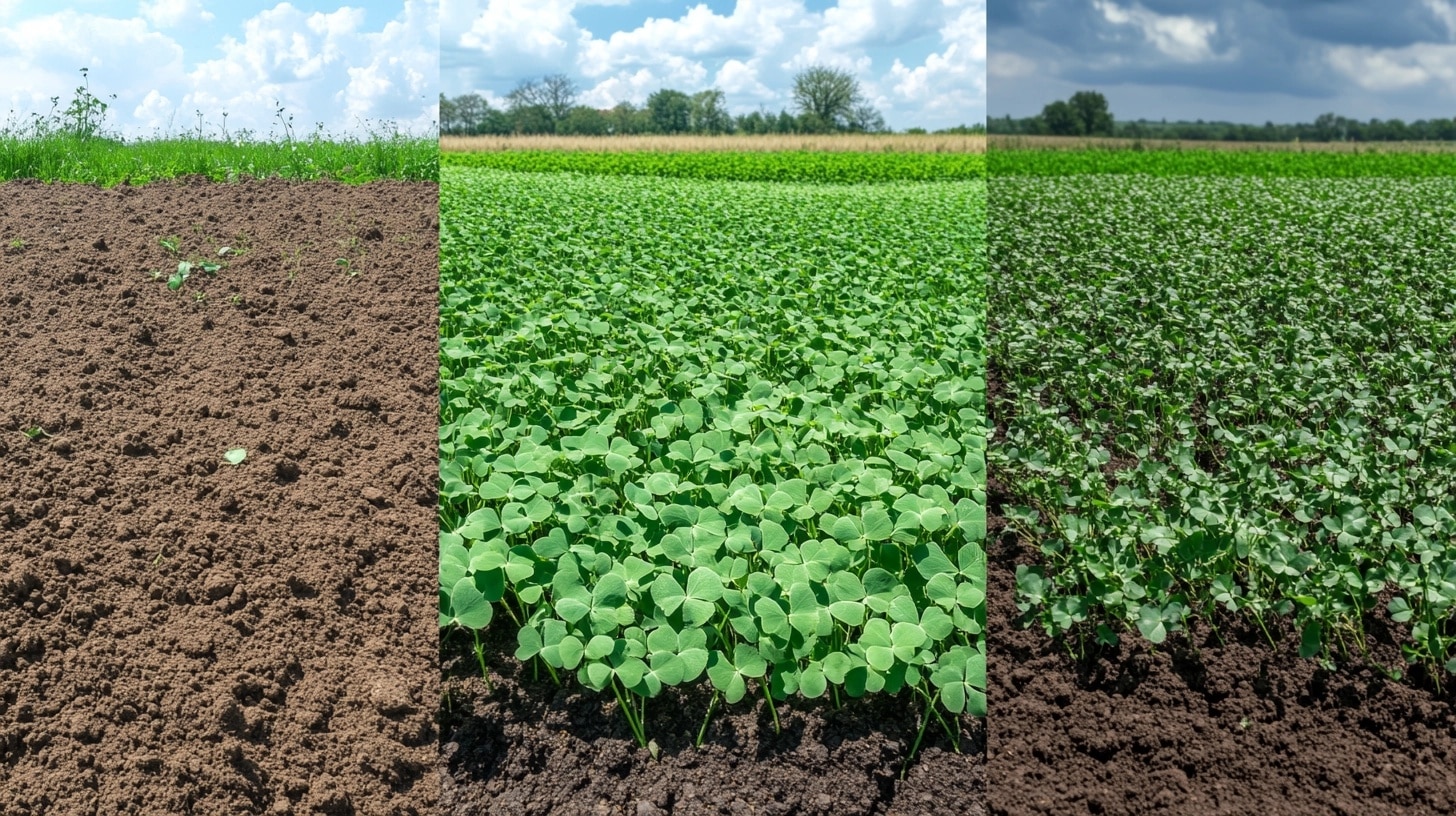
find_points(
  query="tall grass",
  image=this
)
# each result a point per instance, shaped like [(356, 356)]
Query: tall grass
[(72, 145), (771, 143)]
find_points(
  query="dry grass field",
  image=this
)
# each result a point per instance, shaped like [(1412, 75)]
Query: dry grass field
[(1003, 142), (857, 143)]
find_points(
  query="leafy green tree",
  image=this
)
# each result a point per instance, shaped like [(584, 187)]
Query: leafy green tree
[(670, 111), (470, 113), (709, 113), (830, 99), (1090, 108), (446, 115), (1061, 120), (627, 118), (583, 120)]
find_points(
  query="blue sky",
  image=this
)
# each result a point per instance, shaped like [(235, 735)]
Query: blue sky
[(350, 67), (921, 62), (1230, 60)]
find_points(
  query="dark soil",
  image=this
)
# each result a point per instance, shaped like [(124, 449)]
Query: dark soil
[(1211, 723), (529, 748), (181, 635)]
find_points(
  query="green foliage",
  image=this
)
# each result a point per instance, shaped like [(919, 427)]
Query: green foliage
[(1231, 394), (73, 146), (1272, 163), (752, 166), (717, 431)]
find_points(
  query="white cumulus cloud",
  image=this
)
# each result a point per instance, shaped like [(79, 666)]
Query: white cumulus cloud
[(1179, 36), (173, 13), (921, 61), (343, 69)]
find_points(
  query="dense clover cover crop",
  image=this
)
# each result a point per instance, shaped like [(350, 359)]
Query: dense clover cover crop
[(747, 166), (718, 430), (1231, 393)]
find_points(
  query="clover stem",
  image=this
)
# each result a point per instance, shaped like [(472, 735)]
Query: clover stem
[(771, 709), (480, 656), (630, 713), (1259, 617), (924, 721), (702, 732)]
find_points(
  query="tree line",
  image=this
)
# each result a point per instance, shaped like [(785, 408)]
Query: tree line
[(1086, 113), (826, 100)]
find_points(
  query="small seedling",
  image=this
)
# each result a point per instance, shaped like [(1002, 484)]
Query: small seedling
[(34, 432), (223, 252), (172, 244), (184, 269), (17, 243), (235, 456), (348, 267)]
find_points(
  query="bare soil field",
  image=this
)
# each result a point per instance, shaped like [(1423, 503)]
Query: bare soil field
[(179, 633)]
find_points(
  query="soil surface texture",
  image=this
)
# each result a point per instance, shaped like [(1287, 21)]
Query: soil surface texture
[(184, 635), (525, 747), (1210, 723)]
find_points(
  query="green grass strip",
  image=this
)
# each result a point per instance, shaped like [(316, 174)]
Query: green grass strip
[(107, 162), (839, 168), (1313, 164)]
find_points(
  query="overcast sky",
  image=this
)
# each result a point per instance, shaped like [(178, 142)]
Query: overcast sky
[(921, 62), (348, 66), (1231, 60)]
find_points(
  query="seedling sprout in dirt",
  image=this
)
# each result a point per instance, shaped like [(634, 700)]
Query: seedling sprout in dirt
[(754, 461), (235, 456)]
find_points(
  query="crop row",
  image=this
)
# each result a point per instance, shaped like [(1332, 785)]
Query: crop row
[(712, 429), (747, 166), (1220, 163), (1231, 395)]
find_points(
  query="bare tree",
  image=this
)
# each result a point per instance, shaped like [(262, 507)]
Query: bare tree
[(553, 96)]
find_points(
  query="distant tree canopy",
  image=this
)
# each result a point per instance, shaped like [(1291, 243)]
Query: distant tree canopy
[(828, 100), (1082, 115), (1085, 114)]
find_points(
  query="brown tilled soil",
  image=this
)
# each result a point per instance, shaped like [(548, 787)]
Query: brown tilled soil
[(182, 635), (1211, 723), (528, 748)]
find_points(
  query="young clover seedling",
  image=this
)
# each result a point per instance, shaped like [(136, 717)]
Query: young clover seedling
[(235, 456), (184, 269)]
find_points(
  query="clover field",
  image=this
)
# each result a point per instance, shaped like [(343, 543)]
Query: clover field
[(717, 434)]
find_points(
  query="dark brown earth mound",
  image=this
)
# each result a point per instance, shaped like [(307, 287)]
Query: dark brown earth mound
[(183, 635), (1211, 723), (529, 748)]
